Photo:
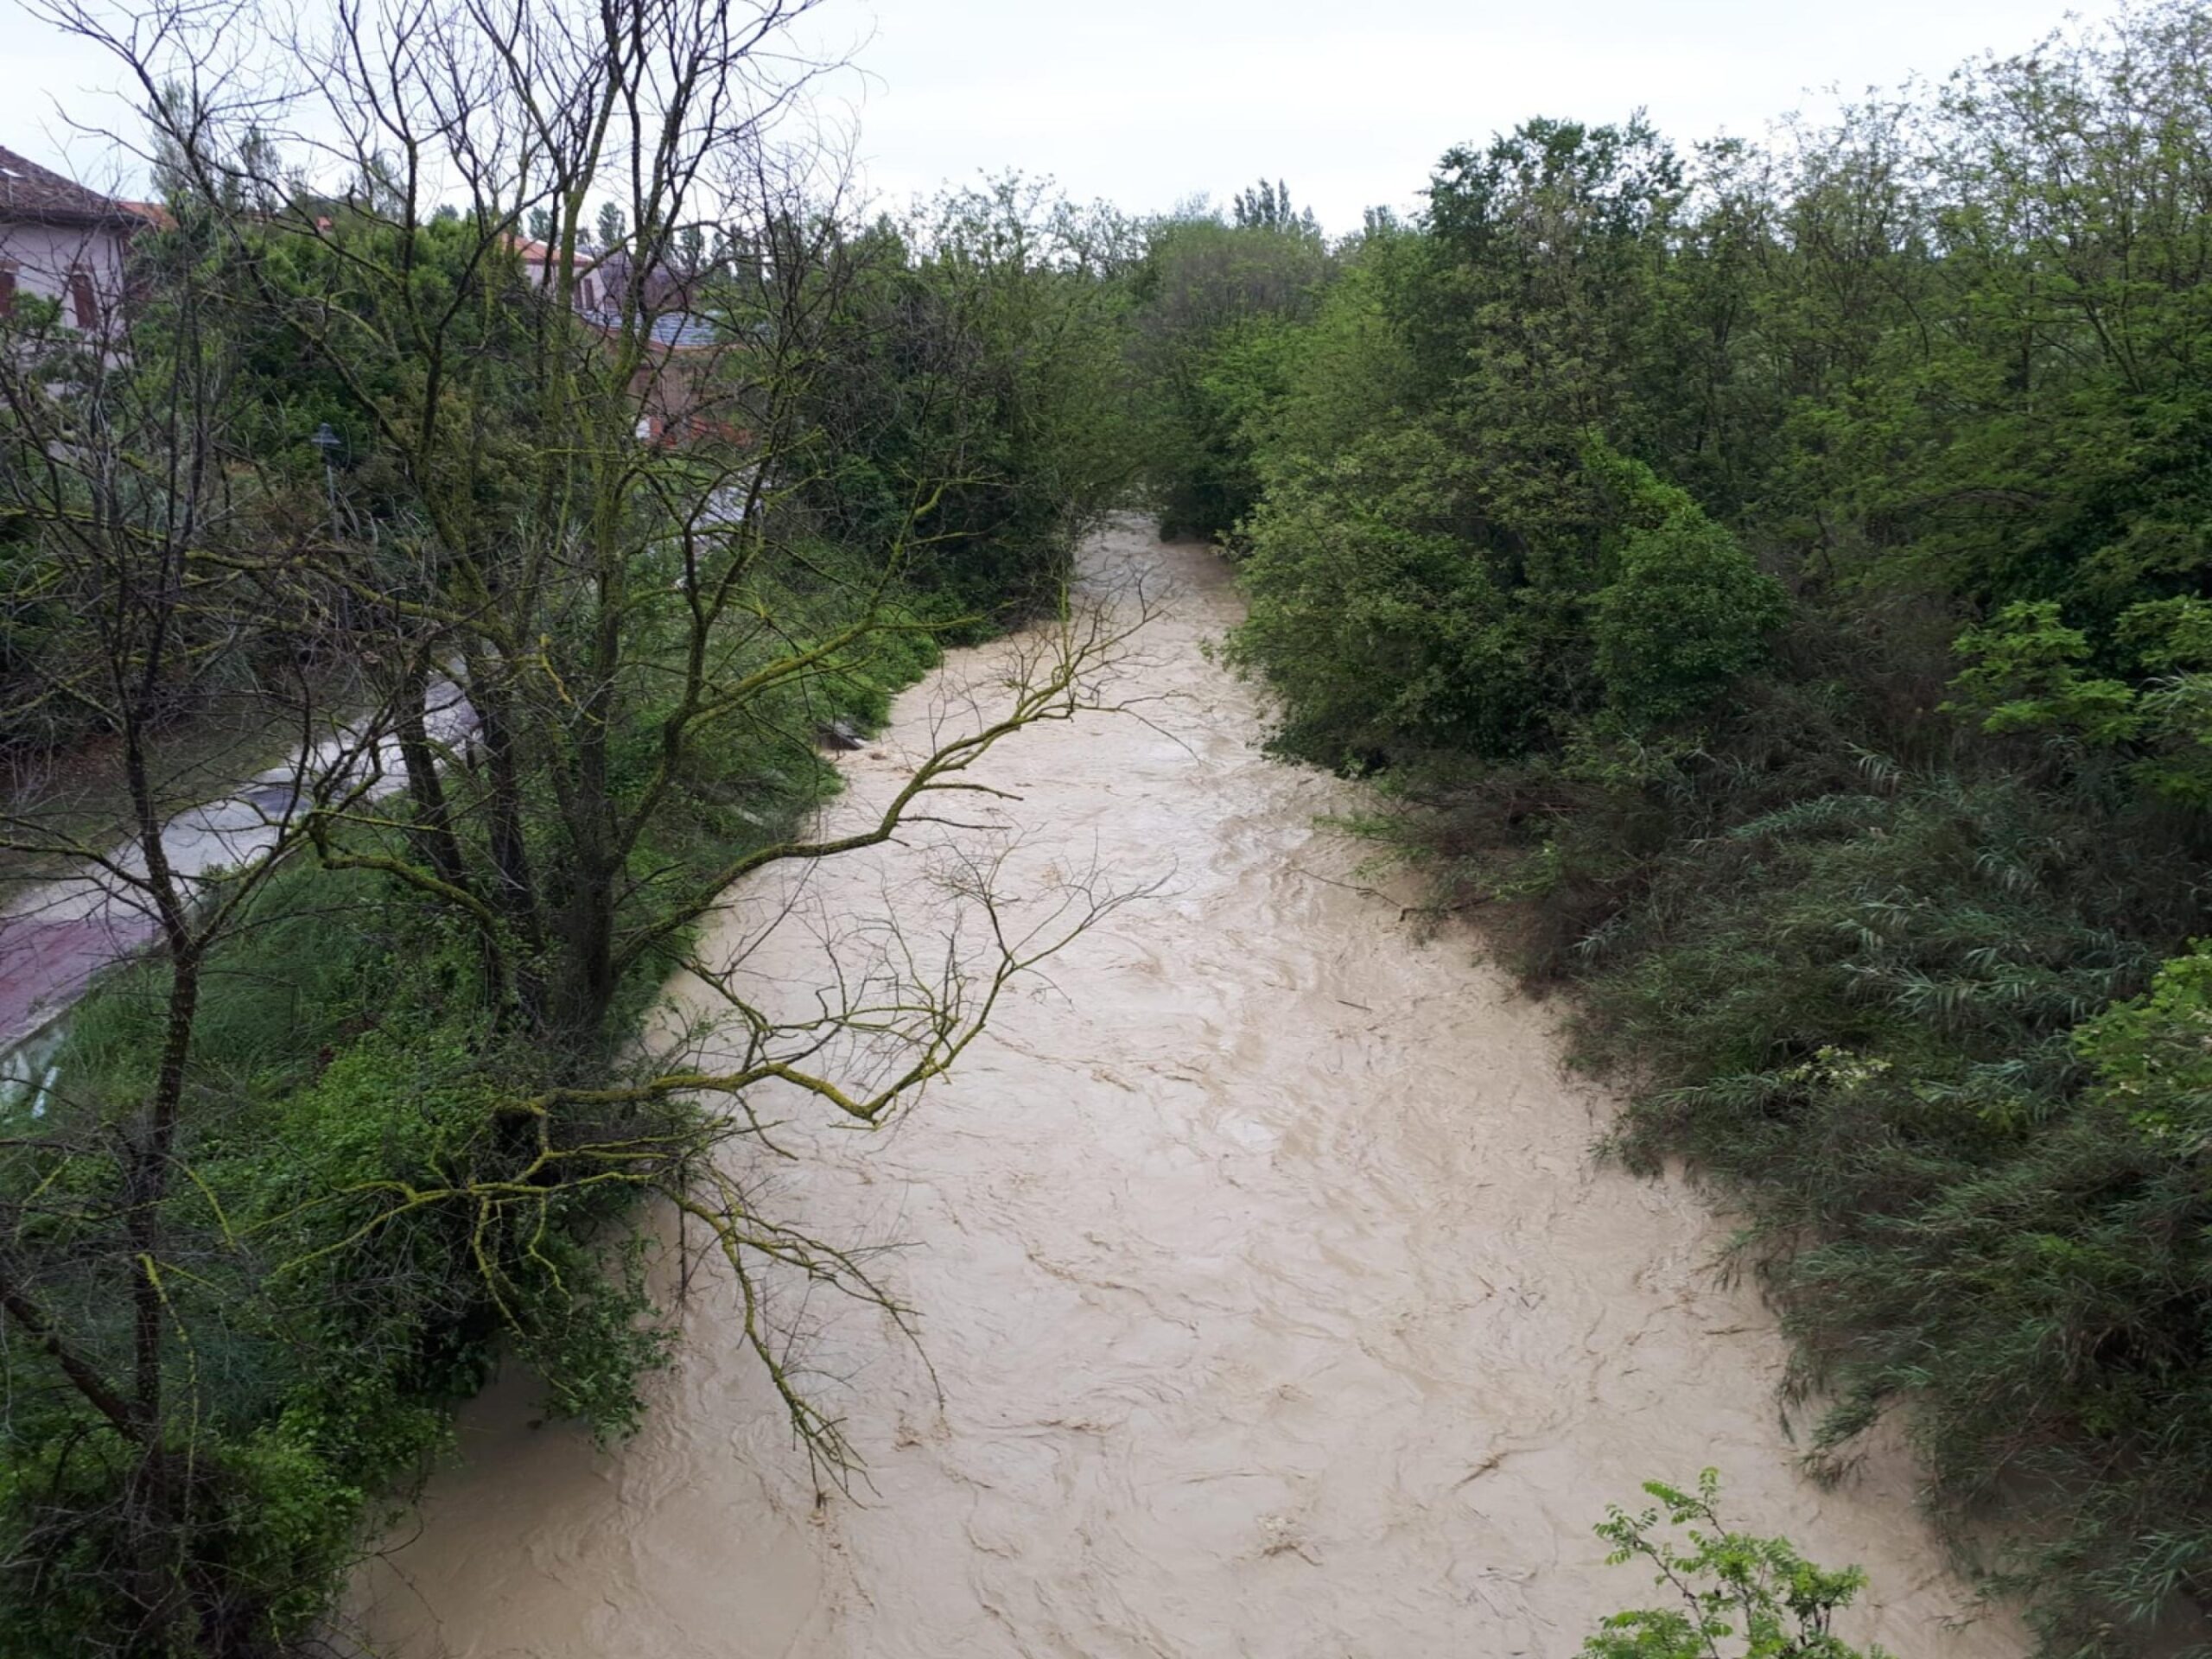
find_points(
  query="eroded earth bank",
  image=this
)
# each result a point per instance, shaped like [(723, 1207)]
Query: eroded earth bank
[(1277, 1305)]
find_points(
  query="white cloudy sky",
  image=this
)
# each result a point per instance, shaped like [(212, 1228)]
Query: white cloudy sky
[(1148, 101)]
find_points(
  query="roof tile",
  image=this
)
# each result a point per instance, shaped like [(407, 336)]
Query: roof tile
[(32, 192)]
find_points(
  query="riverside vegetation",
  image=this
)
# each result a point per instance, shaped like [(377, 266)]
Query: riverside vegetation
[(1771, 579), (1774, 579), (379, 1107)]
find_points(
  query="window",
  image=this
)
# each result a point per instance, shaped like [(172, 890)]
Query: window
[(81, 300)]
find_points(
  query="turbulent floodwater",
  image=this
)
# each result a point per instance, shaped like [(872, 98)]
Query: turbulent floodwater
[(1276, 1304)]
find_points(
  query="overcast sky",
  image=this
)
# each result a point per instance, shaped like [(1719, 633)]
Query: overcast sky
[(1149, 101)]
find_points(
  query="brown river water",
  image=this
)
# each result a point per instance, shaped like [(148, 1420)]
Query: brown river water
[(1275, 1303)]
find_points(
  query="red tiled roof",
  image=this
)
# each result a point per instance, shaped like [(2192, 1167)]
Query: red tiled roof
[(29, 190), (534, 252)]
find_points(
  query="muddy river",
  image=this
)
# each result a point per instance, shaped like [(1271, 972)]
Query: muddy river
[(1276, 1304)]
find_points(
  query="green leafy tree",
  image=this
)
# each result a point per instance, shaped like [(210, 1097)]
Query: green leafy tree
[(1686, 613), (613, 224), (1202, 291), (1267, 207), (1738, 1596)]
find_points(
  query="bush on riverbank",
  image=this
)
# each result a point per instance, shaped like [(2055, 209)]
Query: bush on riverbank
[(1756, 1595), (1773, 583)]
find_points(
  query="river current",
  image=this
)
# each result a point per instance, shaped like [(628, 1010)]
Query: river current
[(1276, 1304)]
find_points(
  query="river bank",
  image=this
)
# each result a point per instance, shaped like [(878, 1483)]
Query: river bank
[(1276, 1302)]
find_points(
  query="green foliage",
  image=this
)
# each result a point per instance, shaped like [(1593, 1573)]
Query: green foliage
[(2025, 676), (1402, 622), (319, 1370), (2153, 1056), (1208, 296), (1773, 583), (978, 358), (1686, 613), (1386, 639), (1743, 1595), (1267, 206)]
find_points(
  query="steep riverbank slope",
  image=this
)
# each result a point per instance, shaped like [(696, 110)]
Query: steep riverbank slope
[(1277, 1305)]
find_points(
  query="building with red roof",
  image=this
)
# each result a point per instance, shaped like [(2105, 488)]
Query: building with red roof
[(63, 242)]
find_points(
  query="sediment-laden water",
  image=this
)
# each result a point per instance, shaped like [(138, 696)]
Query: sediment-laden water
[(1277, 1305)]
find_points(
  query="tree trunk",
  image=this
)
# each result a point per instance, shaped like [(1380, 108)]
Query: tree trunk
[(432, 832)]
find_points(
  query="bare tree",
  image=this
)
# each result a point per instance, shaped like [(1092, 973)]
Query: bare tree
[(567, 556)]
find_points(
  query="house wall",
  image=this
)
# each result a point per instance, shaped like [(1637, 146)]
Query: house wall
[(43, 256)]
